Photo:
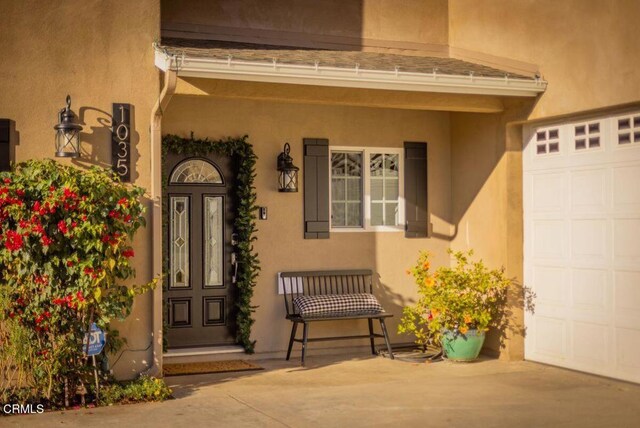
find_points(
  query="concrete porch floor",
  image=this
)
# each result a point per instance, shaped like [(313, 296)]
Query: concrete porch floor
[(361, 391)]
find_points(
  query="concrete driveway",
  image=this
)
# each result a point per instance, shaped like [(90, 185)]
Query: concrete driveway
[(374, 392)]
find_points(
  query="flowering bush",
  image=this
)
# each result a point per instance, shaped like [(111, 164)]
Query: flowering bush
[(459, 298), (64, 252)]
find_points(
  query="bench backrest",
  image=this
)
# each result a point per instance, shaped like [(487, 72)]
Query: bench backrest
[(313, 283)]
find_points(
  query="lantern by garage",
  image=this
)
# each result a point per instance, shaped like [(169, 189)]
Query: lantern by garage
[(67, 133), (287, 171)]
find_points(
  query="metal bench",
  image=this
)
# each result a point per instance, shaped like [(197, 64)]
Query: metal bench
[(339, 282)]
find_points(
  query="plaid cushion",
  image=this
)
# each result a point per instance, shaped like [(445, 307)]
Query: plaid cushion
[(337, 304)]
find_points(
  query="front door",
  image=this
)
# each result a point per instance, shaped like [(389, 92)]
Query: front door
[(200, 293)]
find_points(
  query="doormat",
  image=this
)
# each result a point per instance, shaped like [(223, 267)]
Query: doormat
[(209, 367)]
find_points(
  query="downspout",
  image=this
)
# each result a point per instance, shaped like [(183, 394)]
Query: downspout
[(168, 89)]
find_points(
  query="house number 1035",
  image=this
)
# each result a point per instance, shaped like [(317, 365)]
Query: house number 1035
[(121, 141)]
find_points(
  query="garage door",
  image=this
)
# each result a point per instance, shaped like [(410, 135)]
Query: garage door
[(582, 244)]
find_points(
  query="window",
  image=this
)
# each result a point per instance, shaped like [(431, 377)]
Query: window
[(366, 189)]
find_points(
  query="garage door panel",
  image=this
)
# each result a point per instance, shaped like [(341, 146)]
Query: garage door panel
[(627, 350), (549, 192), (552, 285), (590, 344), (588, 191), (627, 298), (589, 290), (549, 239), (589, 241), (551, 336), (626, 241), (623, 199)]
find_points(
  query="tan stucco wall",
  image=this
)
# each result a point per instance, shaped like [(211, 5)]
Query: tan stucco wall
[(486, 192), (280, 238), (353, 22), (100, 53), (586, 49)]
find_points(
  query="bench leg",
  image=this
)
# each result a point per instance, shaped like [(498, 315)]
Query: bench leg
[(305, 334), (293, 336), (386, 338), (373, 347)]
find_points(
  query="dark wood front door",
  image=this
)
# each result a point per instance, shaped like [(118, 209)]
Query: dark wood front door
[(200, 292)]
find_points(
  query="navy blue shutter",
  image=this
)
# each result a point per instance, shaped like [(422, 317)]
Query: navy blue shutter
[(415, 190), (316, 188)]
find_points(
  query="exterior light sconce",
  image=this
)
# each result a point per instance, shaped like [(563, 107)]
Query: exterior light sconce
[(67, 133), (287, 171)]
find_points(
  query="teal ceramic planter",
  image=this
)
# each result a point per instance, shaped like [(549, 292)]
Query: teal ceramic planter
[(462, 347)]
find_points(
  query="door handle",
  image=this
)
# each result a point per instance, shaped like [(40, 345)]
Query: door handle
[(234, 263)]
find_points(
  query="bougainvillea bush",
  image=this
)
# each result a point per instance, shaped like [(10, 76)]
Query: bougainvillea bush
[(465, 296), (65, 250)]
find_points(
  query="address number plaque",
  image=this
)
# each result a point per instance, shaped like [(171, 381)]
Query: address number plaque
[(121, 141)]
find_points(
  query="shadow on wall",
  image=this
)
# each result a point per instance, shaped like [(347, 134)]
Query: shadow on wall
[(97, 137)]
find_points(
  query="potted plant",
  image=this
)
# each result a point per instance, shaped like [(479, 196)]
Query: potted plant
[(456, 304)]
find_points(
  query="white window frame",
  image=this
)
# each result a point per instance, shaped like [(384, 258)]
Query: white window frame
[(366, 195)]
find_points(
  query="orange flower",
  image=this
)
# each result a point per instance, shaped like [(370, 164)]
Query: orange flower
[(429, 282), (434, 312), (426, 265), (467, 319), (463, 329)]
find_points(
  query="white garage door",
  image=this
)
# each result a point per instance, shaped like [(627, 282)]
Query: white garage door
[(582, 244)]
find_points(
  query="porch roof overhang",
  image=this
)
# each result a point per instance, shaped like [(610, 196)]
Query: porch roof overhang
[(346, 69)]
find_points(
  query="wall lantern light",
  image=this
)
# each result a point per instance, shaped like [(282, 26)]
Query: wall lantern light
[(67, 133), (288, 172)]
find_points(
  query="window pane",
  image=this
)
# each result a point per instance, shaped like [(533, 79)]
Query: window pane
[(213, 241), (391, 165), (391, 189), (353, 189), (196, 171), (354, 164), (179, 241), (338, 164), (391, 214), (338, 214), (375, 165), (377, 189), (354, 217), (376, 214), (338, 189)]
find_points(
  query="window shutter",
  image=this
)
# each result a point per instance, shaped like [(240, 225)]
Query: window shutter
[(5, 144), (415, 190), (316, 188)]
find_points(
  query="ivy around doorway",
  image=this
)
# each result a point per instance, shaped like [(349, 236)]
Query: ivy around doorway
[(244, 224)]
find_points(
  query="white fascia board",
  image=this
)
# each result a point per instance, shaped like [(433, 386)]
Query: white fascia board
[(349, 78)]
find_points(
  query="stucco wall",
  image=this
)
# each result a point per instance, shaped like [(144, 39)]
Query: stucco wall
[(280, 238), (100, 53), (586, 49), (355, 22)]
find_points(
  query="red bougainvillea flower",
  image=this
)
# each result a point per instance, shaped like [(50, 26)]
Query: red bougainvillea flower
[(79, 296), (20, 192), (128, 253), (7, 181), (46, 241), (114, 214), (62, 227), (123, 202), (69, 263), (13, 241), (36, 206), (127, 218)]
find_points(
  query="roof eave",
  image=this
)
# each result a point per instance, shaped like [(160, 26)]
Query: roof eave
[(189, 66)]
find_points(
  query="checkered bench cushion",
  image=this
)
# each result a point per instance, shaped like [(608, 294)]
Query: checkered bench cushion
[(337, 305)]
